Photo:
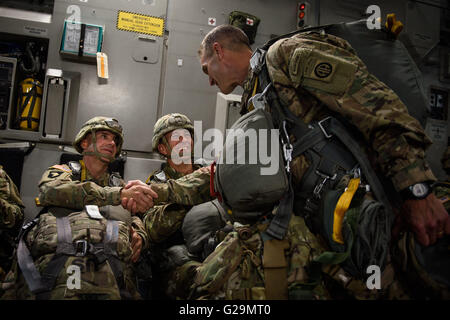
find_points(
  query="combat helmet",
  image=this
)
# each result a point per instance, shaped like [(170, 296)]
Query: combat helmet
[(99, 123), (168, 123)]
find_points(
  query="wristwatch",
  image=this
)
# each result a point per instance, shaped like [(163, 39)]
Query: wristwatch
[(417, 191)]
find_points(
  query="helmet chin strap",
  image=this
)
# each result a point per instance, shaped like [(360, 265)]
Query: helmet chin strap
[(167, 145), (96, 153)]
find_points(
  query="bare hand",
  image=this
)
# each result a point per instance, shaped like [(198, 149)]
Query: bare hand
[(134, 183), (130, 205), (136, 245), (141, 194), (427, 218)]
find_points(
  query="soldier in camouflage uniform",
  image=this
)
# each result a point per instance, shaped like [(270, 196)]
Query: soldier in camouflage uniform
[(172, 138), (78, 233), (316, 75), (11, 218)]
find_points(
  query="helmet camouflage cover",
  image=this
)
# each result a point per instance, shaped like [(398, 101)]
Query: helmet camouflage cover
[(100, 123), (168, 123)]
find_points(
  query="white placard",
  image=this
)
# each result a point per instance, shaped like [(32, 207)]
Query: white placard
[(93, 212)]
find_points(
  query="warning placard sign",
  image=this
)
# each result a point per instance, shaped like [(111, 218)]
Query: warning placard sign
[(140, 23)]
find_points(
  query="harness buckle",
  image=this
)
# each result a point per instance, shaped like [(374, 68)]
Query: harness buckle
[(256, 60), (327, 135), (287, 149), (81, 248), (318, 188), (259, 100)]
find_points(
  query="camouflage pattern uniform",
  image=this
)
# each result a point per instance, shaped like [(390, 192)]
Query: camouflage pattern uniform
[(394, 140), (190, 190), (382, 120), (163, 221), (60, 187), (163, 225), (11, 218)]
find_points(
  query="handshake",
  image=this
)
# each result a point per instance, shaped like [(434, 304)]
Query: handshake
[(137, 197)]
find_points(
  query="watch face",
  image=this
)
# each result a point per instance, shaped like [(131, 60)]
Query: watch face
[(419, 190)]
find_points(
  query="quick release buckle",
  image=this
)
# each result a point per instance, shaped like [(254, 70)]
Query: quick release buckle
[(81, 248), (259, 100), (287, 147), (256, 61), (326, 134), (318, 189)]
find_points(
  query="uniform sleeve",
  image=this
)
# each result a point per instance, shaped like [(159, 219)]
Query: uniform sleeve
[(164, 220), (11, 215), (57, 188), (190, 190), (340, 80), (11, 206), (139, 227)]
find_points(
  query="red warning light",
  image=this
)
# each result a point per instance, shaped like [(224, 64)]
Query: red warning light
[(301, 15), (302, 6)]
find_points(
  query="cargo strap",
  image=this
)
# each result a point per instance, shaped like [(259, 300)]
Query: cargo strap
[(42, 284), (275, 269)]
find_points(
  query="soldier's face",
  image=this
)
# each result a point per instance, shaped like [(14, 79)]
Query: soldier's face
[(105, 140), (180, 142), (215, 67)]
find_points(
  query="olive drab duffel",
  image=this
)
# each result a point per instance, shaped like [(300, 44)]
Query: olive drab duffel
[(62, 238), (260, 185), (246, 22)]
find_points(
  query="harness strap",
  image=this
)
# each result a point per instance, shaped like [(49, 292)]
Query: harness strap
[(110, 245), (41, 285), (28, 268), (338, 129), (64, 249), (279, 224)]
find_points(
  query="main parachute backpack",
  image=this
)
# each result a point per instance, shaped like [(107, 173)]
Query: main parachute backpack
[(246, 22)]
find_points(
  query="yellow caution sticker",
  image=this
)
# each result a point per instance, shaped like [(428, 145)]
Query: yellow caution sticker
[(140, 23)]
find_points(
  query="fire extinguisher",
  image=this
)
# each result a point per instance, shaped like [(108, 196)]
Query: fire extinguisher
[(29, 104)]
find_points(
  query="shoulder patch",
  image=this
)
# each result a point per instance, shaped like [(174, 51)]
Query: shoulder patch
[(61, 167), (323, 70), (54, 174)]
